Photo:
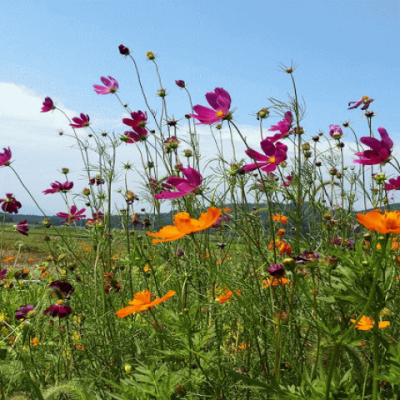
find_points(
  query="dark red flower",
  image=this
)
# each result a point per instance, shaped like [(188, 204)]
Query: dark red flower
[(5, 157), (124, 50), (63, 287), (23, 312), (48, 105), (59, 187), (59, 309), (22, 227), (10, 204)]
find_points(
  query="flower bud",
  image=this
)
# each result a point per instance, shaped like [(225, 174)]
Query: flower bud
[(263, 113), (150, 55), (315, 138), (161, 93), (318, 163), (306, 146), (128, 368), (333, 171), (283, 164), (65, 171), (289, 263), (124, 50), (180, 84), (188, 153), (308, 154), (276, 270), (86, 192)]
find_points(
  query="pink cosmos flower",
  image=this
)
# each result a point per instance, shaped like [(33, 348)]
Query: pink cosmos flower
[(59, 187), (381, 149), (184, 186), (98, 180), (3, 274), (180, 83), (220, 101), (10, 204), (133, 137), (288, 182), (275, 154), (22, 227), (5, 157), (81, 122), (283, 127), (335, 131), (59, 309), (364, 100), (96, 220), (394, 184), (23, 312), (48, 105), (111, 86), (139, 120), (74, 215)]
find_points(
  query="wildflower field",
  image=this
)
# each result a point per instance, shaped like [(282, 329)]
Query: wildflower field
[(272, 275)]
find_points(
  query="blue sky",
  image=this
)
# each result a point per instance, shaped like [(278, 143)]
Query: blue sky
[(343, 49)]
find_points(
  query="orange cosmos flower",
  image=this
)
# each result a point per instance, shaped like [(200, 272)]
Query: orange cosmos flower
[(280, 218), (142, 302), (275, 281), (225, 297), (34, 341), (382, 223), (365, 324), (227, 210), (283, 247), (184, 225), (31, 260), (8, 259), (87, 248)]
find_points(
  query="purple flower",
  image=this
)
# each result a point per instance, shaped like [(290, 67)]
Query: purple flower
[(139, 119), (81, 122), (180, 83), (184, 186), (3, 273), (394, 184), (5, 157), (111, 86), (180, 253), (275, 154), (276, 270), (59, 309), (59, 187), (134, 137), (22, 227), (364, 100), (23, 312), (288, 182), (48, 105), (62, 286), (124, 50), (74, 215), (98, 180), (10, 204), (335, 131), (381, 149), (220, 101)]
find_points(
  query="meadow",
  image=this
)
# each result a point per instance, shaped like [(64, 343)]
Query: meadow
[(262, 282)]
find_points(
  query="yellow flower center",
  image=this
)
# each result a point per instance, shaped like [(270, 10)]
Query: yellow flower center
[(365, 97), (60, 302), (182, 217), (272, 160), (219, 113)]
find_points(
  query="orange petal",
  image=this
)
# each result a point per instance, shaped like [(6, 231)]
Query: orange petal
[(383, 324), (125, 312), (169, 239), (209, 218), (166, 297), (167, 231)]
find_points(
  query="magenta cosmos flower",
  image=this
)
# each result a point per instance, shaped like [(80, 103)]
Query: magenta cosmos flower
[(335, 131), (180, 83), (81, 122), (138, 119), (220, 101), (59, 187), (63, 287), (111, 86), (275, 154), (364, 100), (48, 105), (74, 215), (5, 157), (124, 50), (10, 204), (184, 186), (283, 127), (22, 227), (134, 137), (3, 273), (381, 149), (24, 312), (394, 184), (59, 309)]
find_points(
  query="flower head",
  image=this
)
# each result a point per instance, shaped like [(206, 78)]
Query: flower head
[(280, 218), (142, 302), (180, 84), (81, 122), (223, 298), (394, 184), (10, 204), (63, 287), (59, 309), (382, 223), (5, 157), (184, 225), (59, 187), (124, 50), (276, 270), (275, 281), (335, 131), (365, 100), (3, 273), (111, 86), (184, 186), (275, 154), (48, 105), (22, 227), (73, 215), (220, 101), (381, 149), (365, 324), (24, 312)]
